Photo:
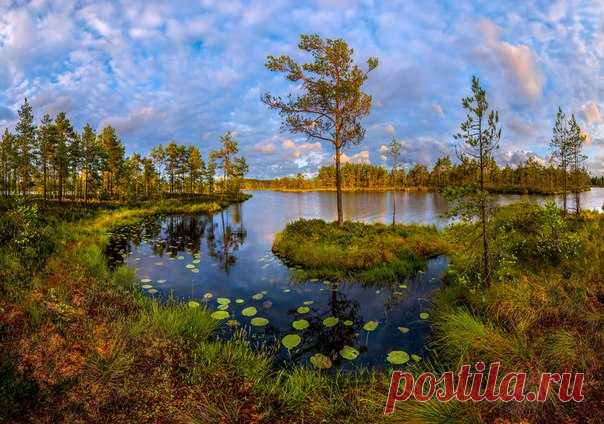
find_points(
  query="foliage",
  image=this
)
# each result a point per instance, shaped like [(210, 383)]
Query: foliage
[(55, 161)]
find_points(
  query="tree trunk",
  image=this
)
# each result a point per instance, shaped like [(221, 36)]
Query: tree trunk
[(483, 219), (339, 187), (565, 189)]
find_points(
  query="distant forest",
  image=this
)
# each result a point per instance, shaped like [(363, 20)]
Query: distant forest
[(529, 177)]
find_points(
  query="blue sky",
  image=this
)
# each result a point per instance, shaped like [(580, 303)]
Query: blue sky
[(191, 70)]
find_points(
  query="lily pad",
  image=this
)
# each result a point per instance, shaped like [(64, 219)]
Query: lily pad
[(303, 310), (239, 301), (180, 258), (195, 270), (330, 321), (250, 311), (208, 295), (300, 324), (223, 307), (424, 315), (403, 330), (189, 266), (259, 322), (415, 357), (371, 325), (220, 315), (286, 290), (320, 361), (223, 300), (161, 281), (290, 341), (349, 352), (402, 286), (145, 280), (147, 286), (152, 291), (193, 304), (258, 296), (195, 261), (309, 302), (232, 323), (398, 357), (347, 323)]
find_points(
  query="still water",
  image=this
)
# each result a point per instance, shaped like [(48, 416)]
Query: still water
[(226, 259)]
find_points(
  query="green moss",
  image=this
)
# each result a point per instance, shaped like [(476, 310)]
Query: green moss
[(355, 251)]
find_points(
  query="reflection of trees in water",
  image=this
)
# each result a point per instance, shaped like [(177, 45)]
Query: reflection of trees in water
[(330, 340), (229, 239)]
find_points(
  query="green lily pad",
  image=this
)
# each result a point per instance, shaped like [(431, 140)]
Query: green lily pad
[(239, 301), (250, 311), (258, 296), (309, 302), (145, 280), (220, 315), (195, 270), (303, 310), (424, 315), (190, 266), (259, 322), (403, 330), (349, 352), (152, 291), (371, 325), (161, 281), (402, 286), (348, 323), (398, 357), (232, 323), (286, 290), (290, 341), (208, 295), (180, 258), (330, 321), (300, 324), (320, 361), (195, 261), (193, 304), (147, 286), (223, 300), (223, 307), (415, 357)]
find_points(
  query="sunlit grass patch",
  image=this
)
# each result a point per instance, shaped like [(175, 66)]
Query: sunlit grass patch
[(366, 252)]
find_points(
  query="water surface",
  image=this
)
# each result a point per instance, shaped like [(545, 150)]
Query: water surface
[(228, 255)]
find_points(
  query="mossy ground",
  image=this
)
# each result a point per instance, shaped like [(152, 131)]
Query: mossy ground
[(80, 344), (373, 253)]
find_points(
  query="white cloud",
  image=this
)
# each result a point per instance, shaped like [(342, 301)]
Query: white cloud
[(360, 157), (591, 113), (516, 60)]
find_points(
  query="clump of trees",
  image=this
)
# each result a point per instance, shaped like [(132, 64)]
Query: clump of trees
[(567, 152), (332, 102), (531, 176), (54, 161)]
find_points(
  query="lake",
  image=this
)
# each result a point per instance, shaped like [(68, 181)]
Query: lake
[(224, 261)]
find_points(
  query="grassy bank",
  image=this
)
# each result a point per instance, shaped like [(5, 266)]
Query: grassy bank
[(81, 344), (542, 313), (375, 253)]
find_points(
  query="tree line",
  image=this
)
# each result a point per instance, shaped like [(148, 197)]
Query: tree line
[(531, 176), (54, 161)]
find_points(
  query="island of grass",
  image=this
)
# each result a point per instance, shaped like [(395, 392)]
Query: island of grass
[(373, 253)]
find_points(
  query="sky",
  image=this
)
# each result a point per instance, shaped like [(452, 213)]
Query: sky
[(190, 70)]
